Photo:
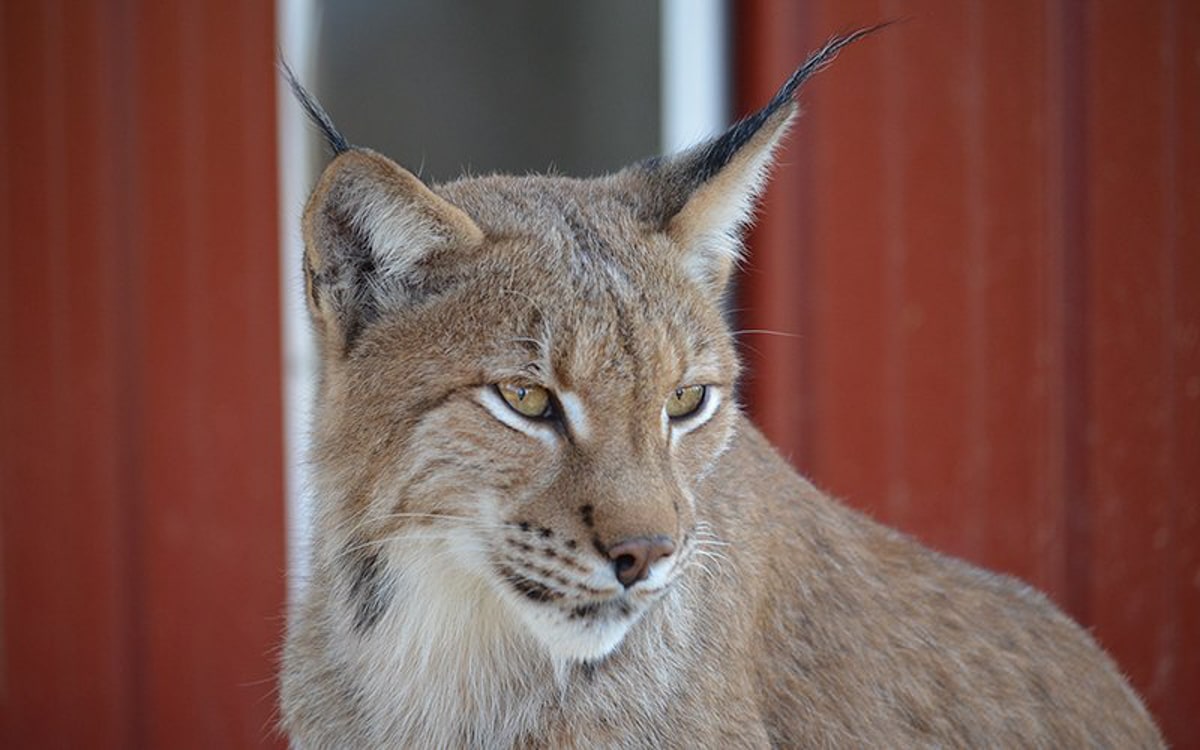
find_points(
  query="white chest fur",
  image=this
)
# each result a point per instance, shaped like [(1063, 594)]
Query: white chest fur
[(447, 664)]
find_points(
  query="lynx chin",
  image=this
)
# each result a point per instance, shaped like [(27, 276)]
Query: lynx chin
[(543, 521)]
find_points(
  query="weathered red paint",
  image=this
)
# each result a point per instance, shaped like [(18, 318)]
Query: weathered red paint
[(1141, 490), (140, 456), (983, 237)]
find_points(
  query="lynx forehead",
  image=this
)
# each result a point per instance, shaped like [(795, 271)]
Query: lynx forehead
[(542, 520)]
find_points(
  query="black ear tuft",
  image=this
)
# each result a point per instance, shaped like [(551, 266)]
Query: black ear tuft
[(703, 197), (316, 113), (719, 151), (677, 178), (706, 160)]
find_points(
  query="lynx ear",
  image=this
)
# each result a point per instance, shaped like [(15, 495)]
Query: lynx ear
[(371, 230), (717, 186), (702, 198)]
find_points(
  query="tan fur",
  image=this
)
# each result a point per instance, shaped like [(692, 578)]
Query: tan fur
[(460, 593)]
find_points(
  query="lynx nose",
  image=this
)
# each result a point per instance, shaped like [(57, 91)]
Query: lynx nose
[(632, 558)]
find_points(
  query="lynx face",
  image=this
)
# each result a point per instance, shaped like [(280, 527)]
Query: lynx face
[(546, 442)]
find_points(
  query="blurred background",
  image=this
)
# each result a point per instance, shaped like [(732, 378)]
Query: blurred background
[(972, 307)]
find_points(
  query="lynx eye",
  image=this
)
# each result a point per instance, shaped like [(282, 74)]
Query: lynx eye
[(683, 402), (531, 401)]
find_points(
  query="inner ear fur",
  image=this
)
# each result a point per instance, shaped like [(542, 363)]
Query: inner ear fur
[(370, 229)]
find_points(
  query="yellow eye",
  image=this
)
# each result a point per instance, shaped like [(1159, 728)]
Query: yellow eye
[(531, 401), (683, 402)]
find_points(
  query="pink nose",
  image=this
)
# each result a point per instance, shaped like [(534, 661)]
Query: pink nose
[(632, 558)]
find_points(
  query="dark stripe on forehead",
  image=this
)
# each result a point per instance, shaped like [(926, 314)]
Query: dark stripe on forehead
[(631, 346), (626, 333), (586, 238)]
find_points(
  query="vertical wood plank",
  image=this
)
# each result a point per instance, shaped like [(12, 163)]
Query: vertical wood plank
[(1068, 385), (853, 287), (67, 670), (1014, 469), (1178, 706), (1128, 349), (1138, 346), (141, 499), (213, 412), (928, 242)]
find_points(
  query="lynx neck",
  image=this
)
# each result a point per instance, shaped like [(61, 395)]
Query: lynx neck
[(447, 665)]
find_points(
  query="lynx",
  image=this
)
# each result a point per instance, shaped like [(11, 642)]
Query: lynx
[(542, 520)]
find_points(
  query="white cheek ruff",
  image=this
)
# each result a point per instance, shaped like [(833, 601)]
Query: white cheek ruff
[(503, 412), (680, 427)]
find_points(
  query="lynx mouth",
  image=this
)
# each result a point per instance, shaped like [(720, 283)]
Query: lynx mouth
[(576, 610), (576, 601)]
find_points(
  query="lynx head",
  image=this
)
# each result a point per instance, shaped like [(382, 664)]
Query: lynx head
[(525, 380)]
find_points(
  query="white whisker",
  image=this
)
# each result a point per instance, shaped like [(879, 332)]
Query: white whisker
[(766, 332)]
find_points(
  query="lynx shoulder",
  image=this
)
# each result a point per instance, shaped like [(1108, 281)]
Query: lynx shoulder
[(542, 520)]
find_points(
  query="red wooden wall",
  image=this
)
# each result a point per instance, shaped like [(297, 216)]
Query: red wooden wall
[(985, 236), (141, 520)]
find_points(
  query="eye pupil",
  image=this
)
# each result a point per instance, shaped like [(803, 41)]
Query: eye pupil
[(685, 401)]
